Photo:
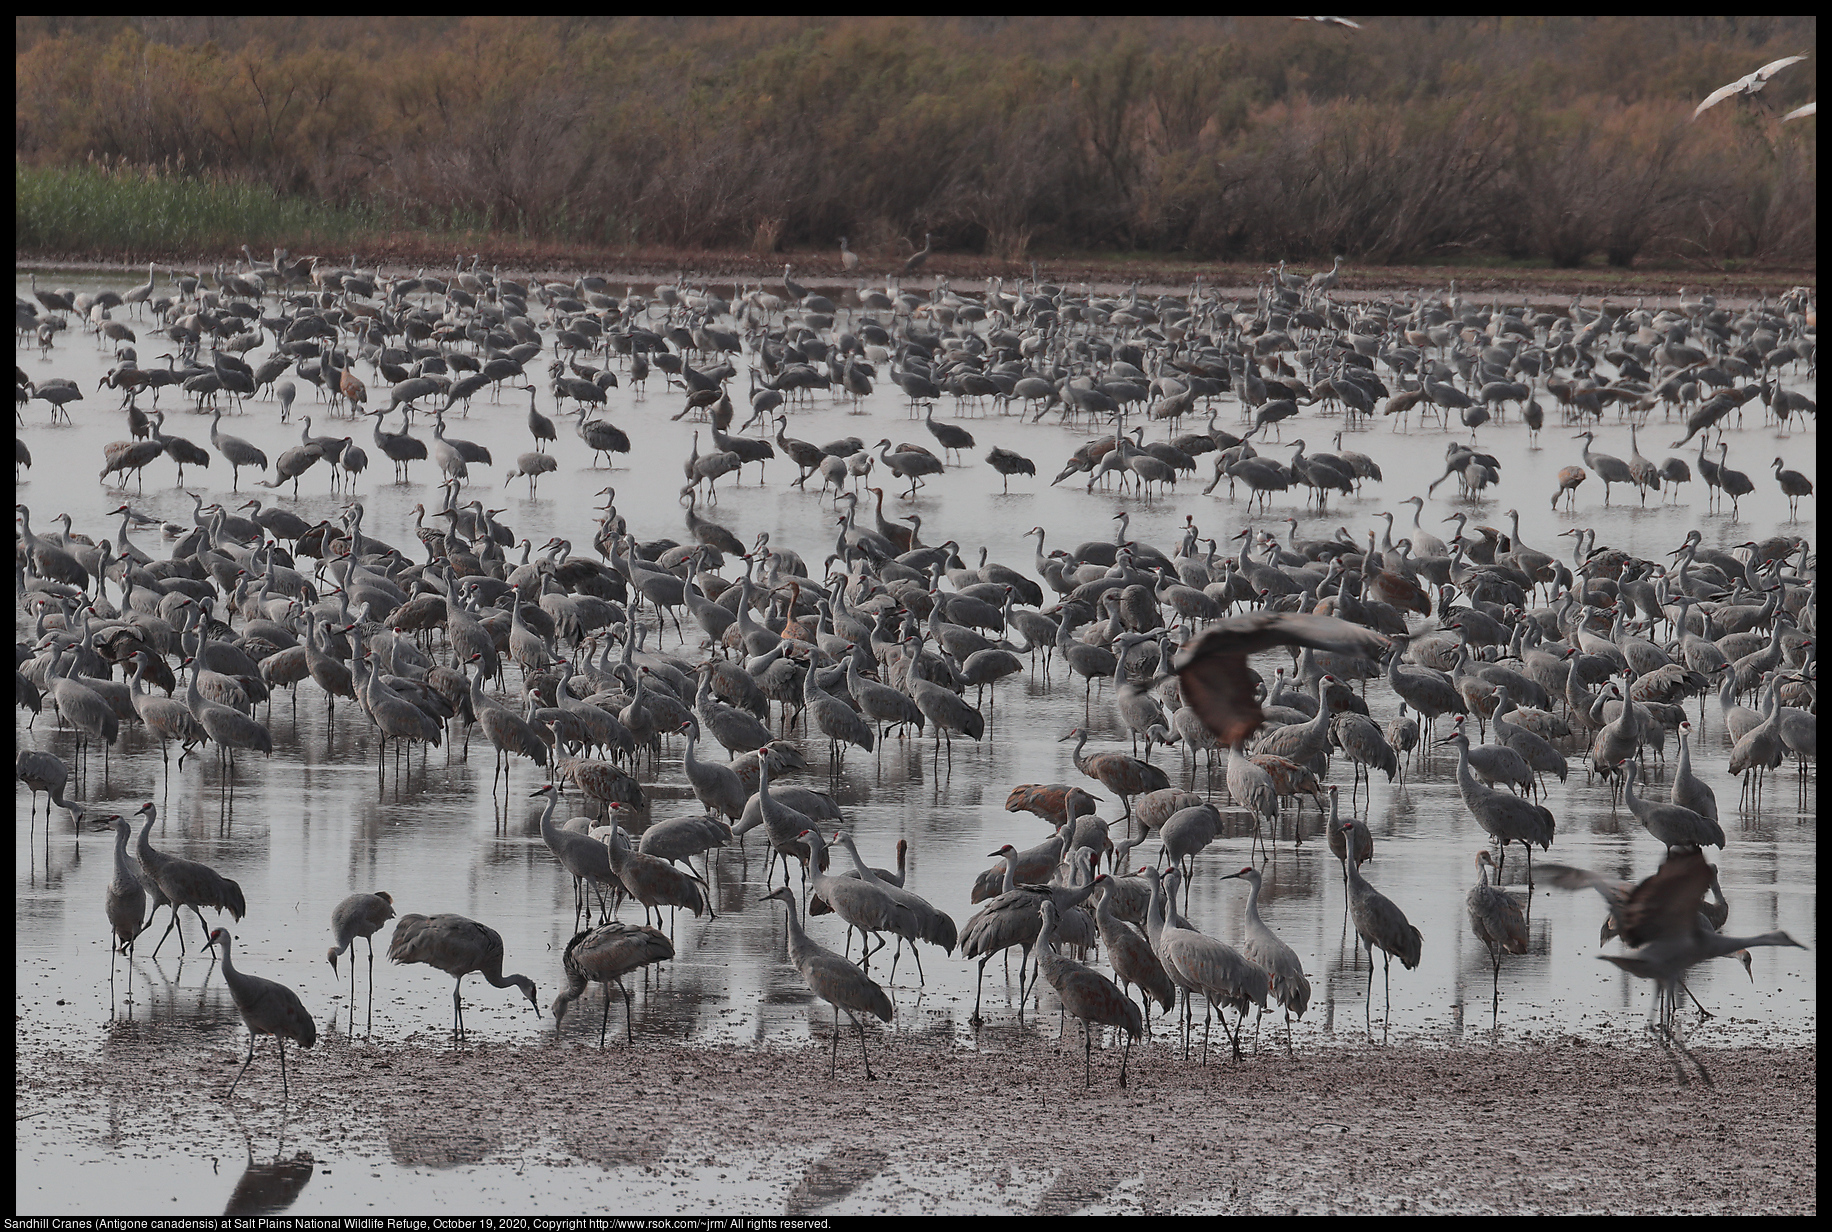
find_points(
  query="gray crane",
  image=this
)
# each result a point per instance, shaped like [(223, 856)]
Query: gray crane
[(862, 902), (125, 456), (1507, 818), (184, 883), (456, 946), (1498, 921), (1086, 994), (1688, 790), (715, 784), (1130, 954), (42, 772), (1351, 839), (359, 915), (1213, 667), (910, 464), (605, 955), (1262, 947), (932, 925), (1662, 918), (588, 860), (1120, 774), (1011, 918), (1735, 484), (1496, 763), (1794, 485), (266, 1008), (951, 438), (1672, 824), (125, 901), (508, 732), (1202, 965), (1609, 469), (1378, 922), (834, 980), (1253, 788), (236, 451), (915, 261), (652, 880), (840, 723), (178, 449), (531, 466), (395, 717), (946, 712), (398, 447)]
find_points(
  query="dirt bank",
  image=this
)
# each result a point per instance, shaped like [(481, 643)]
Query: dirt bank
[(1564, 1127), (1107, 274)]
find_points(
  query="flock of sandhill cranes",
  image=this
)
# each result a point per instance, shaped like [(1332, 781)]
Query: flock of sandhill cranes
[(880, 645)]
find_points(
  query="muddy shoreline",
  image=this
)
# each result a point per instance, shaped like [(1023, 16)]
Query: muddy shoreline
[(1565, 1127), (820, 270)]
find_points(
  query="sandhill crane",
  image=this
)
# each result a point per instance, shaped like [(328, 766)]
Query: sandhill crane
[(908, 463), (1672, 824), (359, 915), (1262, 947), (1569, 478), (456, 946), (1086, 994), (508, 732), (863, 903), (883, 705), (1213, 667), (47, 559), (42, 772), (1609, 469), (183, 883), (399, 447), (178, 449), (1008, 464), (1645, 474), (1506, 817), (1011, 918), (291, 464), (605, 955), (1795, 485), (588, 860), (1252, 787), (915, 261), (930, 925), (840, 723), (395, 717), (531, 466), (1130, 954), (952, 439), (1348, 840), (652, 881), (946, 712), (1119, 773), (1735, 484), (267, 1008), (125, 456), (1200, 964), (1379, 923), (848, 258), (1498, 921), (834, 980), (125, 901), (236, 451), (1663, 918)]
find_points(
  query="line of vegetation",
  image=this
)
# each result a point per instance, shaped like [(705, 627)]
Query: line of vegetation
[(1548, 140)]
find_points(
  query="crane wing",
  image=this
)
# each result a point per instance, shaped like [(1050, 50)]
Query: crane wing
[(1666, 904), (1717, 96), (1775, 66), (1213, 668)]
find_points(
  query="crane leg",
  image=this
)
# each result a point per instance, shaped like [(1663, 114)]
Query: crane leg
[(281, 1041), (978, 988), (604, 1022), (245, 1065), (869, 1076), (833, 1057), (629, 1032), (369, 1025)]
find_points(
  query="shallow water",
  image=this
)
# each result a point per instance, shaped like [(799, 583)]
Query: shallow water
[(314, 823)]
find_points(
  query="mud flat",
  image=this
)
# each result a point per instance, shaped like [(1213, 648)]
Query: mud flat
[(1563, 1127)]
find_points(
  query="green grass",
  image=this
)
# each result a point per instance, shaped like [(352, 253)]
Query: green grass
[(127, 213)]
